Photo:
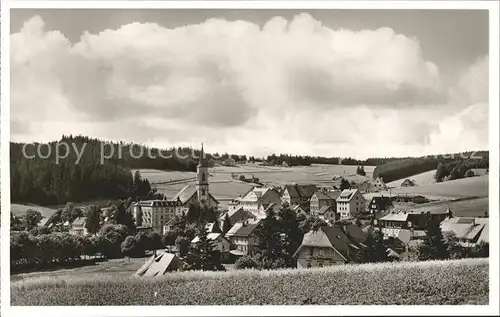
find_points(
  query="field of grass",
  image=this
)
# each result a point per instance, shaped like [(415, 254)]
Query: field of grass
[(425, 178), (459, 188), (419, 283), (474, 207), (20, 210)]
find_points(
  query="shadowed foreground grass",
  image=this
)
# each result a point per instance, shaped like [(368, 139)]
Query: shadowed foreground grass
[(422, 283)]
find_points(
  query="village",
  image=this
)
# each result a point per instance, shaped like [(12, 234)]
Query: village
[(345, 220)]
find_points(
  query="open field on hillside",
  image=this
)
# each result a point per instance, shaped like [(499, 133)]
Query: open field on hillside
[(475, 207), (224, 187), (20, 210), (438, 283), (425, 178), (459, 188)]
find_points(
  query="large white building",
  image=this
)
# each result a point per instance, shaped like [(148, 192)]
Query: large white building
[(350, 203), (257, 200), (155, 213)]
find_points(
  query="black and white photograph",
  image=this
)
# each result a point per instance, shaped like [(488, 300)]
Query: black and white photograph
[(251, 156)]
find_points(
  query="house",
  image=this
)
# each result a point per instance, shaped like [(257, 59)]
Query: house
[(479, 171), (220, 243), (78, 227), (366, 186), (213, 227), (416, 199), (155, 213), (284, 164), (243, 237), (407, 219), (469, 231), (408, 183), (328, 213), (380, 204), (379, 184), (299, 210), (350, 203), (229, 161), (331, 246), (319, 200), (159, 265), (235, 216), (234, 204), (258, 199), (298, 194)]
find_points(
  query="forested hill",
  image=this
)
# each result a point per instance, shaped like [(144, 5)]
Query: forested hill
[(452, 166), (87, 171)]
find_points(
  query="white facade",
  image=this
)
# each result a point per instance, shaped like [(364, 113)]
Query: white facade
[(350, 203), (155, 213), (220, 243), (258, 199)]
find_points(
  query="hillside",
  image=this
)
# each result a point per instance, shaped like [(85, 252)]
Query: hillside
[(459, 188), (424, 178), (408, 283)]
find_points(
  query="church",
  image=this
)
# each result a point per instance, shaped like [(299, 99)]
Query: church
[(198, 192)]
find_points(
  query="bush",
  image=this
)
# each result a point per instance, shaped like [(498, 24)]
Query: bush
[(247, 262)]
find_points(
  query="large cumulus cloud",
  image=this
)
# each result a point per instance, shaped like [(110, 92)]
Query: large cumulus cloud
[(292, 86)]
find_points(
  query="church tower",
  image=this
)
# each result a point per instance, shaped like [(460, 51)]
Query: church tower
[(202, 180)]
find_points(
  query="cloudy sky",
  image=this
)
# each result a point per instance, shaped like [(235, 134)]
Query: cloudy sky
[(332, 82)]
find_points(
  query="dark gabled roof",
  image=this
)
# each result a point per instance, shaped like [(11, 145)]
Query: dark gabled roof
[(304, 191), (345, 239), (324, 209), (382, 202), (292, 191), (80, 221), (322, 196), (243, 229)]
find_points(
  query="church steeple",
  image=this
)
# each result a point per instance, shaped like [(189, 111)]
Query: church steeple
[(201, 161), (202, 180)]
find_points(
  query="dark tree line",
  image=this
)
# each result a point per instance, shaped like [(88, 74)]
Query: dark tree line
[(299, 160), (459, 168), (407, 167), (46, 181)]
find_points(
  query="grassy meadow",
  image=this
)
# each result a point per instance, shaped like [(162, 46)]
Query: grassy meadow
[(412, 283), (425, 178)]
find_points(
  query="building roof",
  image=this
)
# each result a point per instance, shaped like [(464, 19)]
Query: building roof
[(343, 239), (80, 221), (156, 203), (186, 193), (466, 227), (243, 229), (325, 209), (382, 202), (159, 265), (396, 216), (347, 195), (301, 191), (485, 234), (210, 236), (237, 215), (322, 196), (334, 193), (212, 227)]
